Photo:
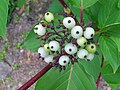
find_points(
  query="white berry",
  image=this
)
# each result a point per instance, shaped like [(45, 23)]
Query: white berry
[(42, 52), (90, 57), (82, 54), (89, 33), (76, 31), (40, 30), (69, 22), (49, 58), (54, 45), (63, 60), (82, 41), (70, 48), (49, 16)]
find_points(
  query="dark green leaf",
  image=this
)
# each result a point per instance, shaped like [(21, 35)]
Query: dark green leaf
[(83, 3), (108, 13), (74, 78), (55, 7), (112, 30), (3, 17), (20, 3), (119, 4), (111, 78), (109, 50), (117, 41)]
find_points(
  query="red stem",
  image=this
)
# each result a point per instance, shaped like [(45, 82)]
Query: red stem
[(98, 80), (35, 78), (72, 14), (81, 17)]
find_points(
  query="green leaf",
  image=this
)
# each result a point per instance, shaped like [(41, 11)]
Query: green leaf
[(109, 50), (83, 3), (31, 42), (112, 29), (119, 4), (109, 12), (117, 41), (3, 17), (93, 67), (20, 3), (74, 78), (111, 78), (55, 7)]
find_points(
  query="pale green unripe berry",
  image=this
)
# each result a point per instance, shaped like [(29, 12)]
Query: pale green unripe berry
[(63, 60), (49, 16), (82, 41), (49, 59), (89, 33), (91, 48), (76, 31), (82, 53), (40, 30), (69, 22), (46, 47)]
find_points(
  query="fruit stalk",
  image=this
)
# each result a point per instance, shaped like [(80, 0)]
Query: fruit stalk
[(81, 17), (35, 78), (71, 14), (98, 80)]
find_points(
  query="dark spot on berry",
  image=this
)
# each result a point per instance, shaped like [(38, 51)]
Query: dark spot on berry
[(42, 58), (47, 13), (92, 46), (51, 46), (69, 21), (64, 61), (85, 43), (91, 35), (47, 47), (36, 28), (85, 56), (70, 50), (77, 32), (39, 54), (88, 59)]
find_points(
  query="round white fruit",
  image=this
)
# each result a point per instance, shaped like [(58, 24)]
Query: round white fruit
[(70, 48), (82, 41), (49, 58), (42, 52), (90, 57), (40, 30), (89, 33), (77, 32), (69, 22), (54, 46), (82, 54), (49, 16), (64, 60)]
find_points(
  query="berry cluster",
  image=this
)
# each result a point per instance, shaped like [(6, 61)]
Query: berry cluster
[(71, 41)]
